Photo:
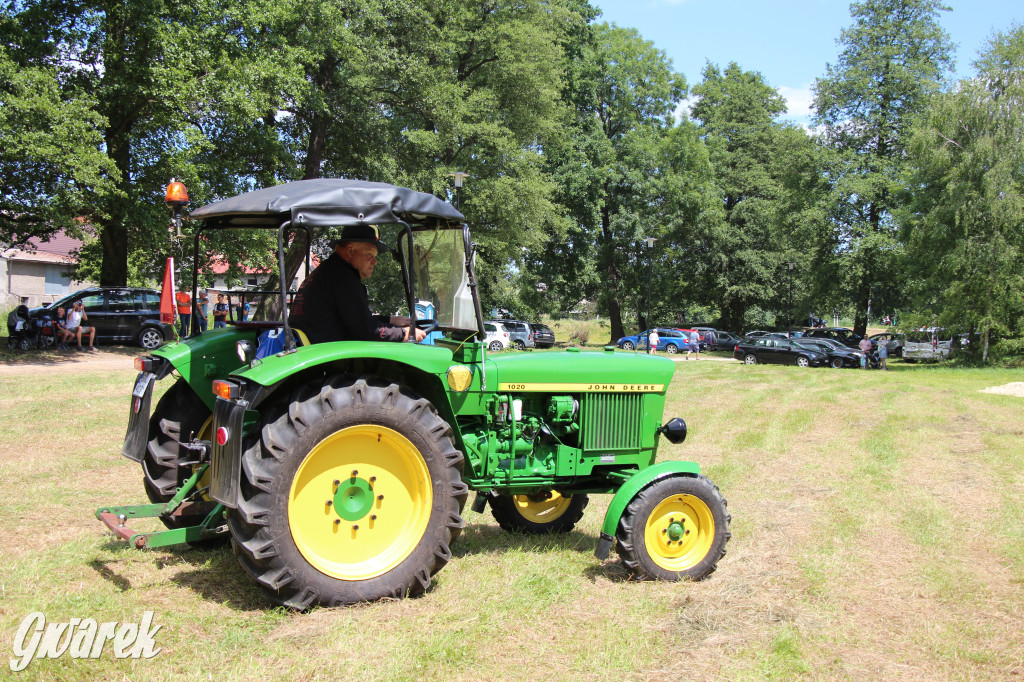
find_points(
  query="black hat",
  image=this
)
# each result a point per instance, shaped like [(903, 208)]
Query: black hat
[(360, 233)]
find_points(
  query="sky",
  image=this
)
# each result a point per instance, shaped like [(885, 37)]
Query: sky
[(788, 41)]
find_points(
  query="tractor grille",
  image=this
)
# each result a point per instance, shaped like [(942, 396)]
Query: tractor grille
[(611, 421)]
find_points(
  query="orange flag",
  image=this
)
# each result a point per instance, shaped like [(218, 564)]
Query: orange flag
[(167, 294)]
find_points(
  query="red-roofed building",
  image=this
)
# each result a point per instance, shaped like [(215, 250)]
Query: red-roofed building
[(39, 272)]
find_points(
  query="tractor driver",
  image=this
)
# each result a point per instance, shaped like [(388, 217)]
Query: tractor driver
[(332, 303)]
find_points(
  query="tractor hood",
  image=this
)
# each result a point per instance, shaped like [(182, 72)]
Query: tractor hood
[(589, 371)]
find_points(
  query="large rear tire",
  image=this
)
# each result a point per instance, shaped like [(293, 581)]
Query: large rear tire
[(676, 528), (179, 417), (350, 492), (538, 514)]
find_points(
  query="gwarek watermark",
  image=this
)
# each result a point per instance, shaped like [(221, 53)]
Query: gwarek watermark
[(82, 638)]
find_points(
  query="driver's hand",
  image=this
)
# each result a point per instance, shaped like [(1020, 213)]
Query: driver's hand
[(420, 334)]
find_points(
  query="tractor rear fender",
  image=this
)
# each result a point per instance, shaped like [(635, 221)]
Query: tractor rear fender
[(630, 488), (414, 366)]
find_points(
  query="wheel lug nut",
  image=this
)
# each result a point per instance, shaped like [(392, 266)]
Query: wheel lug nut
[(356, 527), (337, 482), (380, 497), (337, 522), (330, 502), (372, 479), (373, 518), (354, 472)]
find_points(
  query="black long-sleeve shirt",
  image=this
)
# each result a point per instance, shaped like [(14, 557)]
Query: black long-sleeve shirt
[(332, 305)]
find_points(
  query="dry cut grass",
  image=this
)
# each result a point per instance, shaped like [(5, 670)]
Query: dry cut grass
[(878, 528)]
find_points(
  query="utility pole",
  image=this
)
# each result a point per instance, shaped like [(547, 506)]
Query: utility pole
[(458, 188), (650, 275)]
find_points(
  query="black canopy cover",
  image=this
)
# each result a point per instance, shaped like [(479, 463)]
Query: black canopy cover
[(327, 202)]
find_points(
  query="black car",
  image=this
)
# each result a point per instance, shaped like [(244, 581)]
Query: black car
[(838, 354), (841, 334), (543, 337), (725, 340), (120, 314), (778, 351)]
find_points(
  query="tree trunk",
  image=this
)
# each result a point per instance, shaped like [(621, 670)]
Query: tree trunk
[(612, 272), (113, 226)]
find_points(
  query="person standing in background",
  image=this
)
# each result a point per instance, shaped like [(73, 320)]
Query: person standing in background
[(184, 303), (652, 342), (204, 311), (220, 312)]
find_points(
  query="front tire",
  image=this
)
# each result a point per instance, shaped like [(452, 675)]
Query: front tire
[(801, 361), (750, 359), (627, 345), (671, 349), (676, 528), (837, 363), (350, 492), (538, 514)]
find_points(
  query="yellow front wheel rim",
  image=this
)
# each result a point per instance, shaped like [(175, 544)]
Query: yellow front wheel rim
[(679, 532), (360, 502), (537, 509)]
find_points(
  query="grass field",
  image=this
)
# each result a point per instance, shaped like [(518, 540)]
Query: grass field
[(878, 533)]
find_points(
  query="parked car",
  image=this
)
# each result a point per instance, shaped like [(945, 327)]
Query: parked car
[(543, 337), (893, 342), (670, 341), (120, 314), (519, 331), (778, 351), (841, 334), (497, 338), (725, 340), (927, 344), (838, 355), (706, 335), (756, 333)]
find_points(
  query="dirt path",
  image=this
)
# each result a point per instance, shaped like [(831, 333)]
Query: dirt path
[(34, 362)]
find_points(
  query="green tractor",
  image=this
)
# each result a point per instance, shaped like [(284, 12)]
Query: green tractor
[(340, 470)]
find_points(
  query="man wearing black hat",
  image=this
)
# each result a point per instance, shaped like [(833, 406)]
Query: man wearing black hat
[(332, 303)]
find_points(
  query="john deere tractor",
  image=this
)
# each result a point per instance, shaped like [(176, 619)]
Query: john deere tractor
[(340, 470)]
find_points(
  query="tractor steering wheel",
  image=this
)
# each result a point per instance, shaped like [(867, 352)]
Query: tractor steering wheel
[(427, 325)]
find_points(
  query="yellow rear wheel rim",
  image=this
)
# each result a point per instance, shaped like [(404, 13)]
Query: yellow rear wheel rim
[(679, 532), (360, 502), (538, 510)]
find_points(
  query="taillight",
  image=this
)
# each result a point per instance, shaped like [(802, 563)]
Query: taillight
[(736, 348), (144, 364), (225, 389)]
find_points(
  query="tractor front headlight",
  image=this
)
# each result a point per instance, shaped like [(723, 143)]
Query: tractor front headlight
[(246, 350)]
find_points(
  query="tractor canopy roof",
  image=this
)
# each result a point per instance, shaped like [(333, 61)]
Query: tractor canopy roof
[(327, 202)]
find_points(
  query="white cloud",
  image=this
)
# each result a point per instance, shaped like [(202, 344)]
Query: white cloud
[(798, 101)]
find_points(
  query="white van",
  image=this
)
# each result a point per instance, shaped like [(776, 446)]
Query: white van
[(933, 343)]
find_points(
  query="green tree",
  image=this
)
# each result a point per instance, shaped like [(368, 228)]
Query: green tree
[(737, 111), (50, 161), (894, 56), (623, 96), (966, 227)]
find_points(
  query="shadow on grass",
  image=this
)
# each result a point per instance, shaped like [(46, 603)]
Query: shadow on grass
[(214, 574), (51, 357), (211, 572)]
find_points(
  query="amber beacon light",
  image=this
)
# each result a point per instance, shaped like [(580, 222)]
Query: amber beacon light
[(176, 199)]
